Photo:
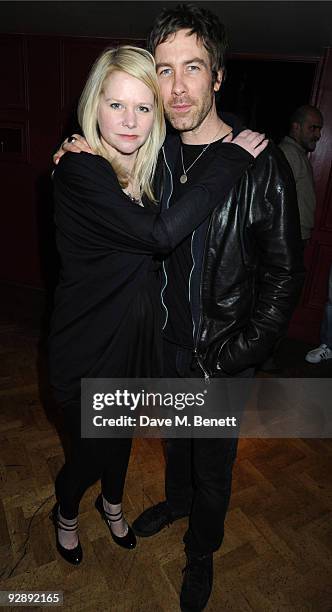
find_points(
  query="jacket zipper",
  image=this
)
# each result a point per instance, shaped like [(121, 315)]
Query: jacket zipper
[(189, 282), (163, 265), (200, 363)]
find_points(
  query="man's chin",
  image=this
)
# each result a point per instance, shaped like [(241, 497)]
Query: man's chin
[(182, 124)]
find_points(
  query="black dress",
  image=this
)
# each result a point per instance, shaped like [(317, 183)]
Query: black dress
[(106, 320), (107, 316)]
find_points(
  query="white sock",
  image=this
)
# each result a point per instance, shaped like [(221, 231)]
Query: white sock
[(118, 524), (67, 539)]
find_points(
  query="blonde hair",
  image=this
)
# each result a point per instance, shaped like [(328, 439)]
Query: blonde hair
[(138, 63)]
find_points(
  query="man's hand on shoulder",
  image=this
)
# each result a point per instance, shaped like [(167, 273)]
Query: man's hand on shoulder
[(73, 144), (253, 142)]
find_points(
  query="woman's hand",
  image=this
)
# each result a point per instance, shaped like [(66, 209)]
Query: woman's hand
[(253, 142), (73, 144)]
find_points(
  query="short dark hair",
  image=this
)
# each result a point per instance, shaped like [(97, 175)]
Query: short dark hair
[(207, 27), (300, 114)]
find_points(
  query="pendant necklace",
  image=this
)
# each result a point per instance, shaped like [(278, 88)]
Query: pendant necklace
[(184, 177)]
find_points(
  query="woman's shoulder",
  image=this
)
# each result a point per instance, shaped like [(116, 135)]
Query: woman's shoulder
[(84, 165)]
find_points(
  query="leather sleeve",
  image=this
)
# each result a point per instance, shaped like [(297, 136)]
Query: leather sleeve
[(275, 231)]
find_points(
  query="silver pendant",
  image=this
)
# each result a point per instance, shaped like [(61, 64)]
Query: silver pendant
[(183, 179)]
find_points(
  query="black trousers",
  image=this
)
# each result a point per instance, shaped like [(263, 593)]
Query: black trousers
[(198, 471), (89, 460)]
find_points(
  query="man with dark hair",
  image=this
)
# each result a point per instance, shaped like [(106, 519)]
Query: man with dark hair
[(305, 130), (228, 290), (199, 21)]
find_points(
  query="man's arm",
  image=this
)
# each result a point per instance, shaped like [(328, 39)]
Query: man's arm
[(293, 159), (304, 187), (90, 201), (277, 239), (73, 144), (252, 142)]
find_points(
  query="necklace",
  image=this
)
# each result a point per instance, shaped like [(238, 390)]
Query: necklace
[(133, 199), (184, 177)]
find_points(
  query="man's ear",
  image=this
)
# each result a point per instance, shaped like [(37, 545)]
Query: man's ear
[(295, 129), (218, 81)]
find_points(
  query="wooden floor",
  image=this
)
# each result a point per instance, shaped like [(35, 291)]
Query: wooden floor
[(276, 554)]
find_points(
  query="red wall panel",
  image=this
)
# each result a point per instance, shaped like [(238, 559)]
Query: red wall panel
[(307, 318), (40, 79)]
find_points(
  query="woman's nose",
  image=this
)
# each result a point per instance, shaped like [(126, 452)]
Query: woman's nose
[(129, 118)]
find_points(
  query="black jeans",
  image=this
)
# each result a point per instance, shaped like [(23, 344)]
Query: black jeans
[(198, 471), (89, 460)]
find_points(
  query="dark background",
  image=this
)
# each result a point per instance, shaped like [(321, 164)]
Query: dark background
[(46, 50), (290, 27)]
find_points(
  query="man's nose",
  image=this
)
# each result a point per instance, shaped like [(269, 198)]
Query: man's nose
[(178, 85)]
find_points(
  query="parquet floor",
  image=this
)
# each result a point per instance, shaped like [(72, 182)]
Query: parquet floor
[(276, 554)]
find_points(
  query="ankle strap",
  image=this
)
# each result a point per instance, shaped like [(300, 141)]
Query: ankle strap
[(64, 527), (113, 520)]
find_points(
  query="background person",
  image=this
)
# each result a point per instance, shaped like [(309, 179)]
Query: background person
[(324, 350), (306, 125)]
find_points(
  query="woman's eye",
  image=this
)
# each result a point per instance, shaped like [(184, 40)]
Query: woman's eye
[(144, 109), (115, 105)]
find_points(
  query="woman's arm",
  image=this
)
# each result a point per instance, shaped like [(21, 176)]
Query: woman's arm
[(89, 200)]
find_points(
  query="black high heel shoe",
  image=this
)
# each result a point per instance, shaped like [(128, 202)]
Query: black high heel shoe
[(72, 555), (129, 540)]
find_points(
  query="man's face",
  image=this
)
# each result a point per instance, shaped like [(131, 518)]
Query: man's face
[(185, 79), (308, 133)]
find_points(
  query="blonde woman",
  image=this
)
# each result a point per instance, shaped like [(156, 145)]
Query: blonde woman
[(110, 237)]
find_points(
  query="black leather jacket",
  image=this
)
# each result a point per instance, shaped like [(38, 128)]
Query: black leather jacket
[(247, 265)]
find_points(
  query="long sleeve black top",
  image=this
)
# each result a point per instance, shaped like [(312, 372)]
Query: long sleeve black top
[(106, 244)]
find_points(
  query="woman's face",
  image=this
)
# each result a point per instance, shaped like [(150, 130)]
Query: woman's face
[(125, 115)]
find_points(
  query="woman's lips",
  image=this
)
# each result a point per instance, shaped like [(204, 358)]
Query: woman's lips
[(128, 136)]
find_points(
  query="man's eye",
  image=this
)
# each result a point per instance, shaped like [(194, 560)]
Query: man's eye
[(165, 72), (192, 68)]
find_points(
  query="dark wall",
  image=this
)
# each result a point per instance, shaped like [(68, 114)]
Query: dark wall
[(265, 92), (41, 79), (301, 27)]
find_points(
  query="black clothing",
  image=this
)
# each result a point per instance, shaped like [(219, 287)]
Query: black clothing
[(247, 264), (179, 327), (106, 243), (106, 321), (198, 471), (90, 460), (246, 276)]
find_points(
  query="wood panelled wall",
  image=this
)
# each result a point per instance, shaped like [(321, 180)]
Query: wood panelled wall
[(40, 81)]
